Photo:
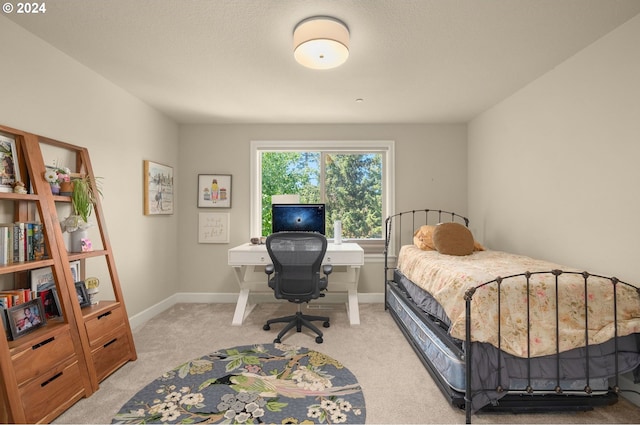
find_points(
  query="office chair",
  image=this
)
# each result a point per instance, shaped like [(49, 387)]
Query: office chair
[(296, 258)]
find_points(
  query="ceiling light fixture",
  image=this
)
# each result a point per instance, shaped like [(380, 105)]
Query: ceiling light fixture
[(321, 42)]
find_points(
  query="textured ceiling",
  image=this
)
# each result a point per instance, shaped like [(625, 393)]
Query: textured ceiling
[(411, 61)]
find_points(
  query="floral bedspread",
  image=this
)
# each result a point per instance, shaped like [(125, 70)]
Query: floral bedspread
[(448, 277)]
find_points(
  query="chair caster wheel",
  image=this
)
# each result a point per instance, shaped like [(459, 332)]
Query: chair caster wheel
[(326, 324), (319, 339), (266, 327), (276, 341)]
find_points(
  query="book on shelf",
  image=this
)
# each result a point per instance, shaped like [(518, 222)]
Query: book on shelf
[(20, 240), (4, 249), (38, 247)]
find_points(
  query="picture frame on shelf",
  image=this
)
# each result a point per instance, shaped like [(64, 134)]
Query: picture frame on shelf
[(43, 277), (5, 325), (9, 169), (81, 293), (25, 318), (158, 188), (75, 270), (214, 190), (50, 302), (213, 227)]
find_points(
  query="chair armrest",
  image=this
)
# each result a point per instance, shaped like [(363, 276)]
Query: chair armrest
[(269, 269), (327, 269)]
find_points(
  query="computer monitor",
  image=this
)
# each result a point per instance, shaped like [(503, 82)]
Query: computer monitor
[(298, 218)]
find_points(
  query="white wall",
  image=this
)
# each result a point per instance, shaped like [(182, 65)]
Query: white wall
[(45, 92), (553, 169), (431, 172)]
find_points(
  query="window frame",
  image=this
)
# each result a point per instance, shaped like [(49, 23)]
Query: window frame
[(384, 147)]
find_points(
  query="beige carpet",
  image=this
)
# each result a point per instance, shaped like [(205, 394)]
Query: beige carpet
[(397, 388)]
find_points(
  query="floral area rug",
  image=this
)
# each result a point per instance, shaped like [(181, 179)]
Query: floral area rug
[(268, 383)]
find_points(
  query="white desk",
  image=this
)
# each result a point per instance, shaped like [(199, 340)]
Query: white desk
[(248, 263)]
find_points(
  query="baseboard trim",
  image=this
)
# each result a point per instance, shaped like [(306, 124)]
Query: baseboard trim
[(141, 318), (144, 316)]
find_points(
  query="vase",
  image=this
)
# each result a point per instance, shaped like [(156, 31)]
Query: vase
[(55, 189), (66, 188), (78, 240)]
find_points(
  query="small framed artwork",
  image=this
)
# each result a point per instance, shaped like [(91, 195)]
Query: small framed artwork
[(75, 270), (81, 292), (214, 191), (50, 302), (43, 278), (158, 188), (213, 227), (25, 318), (9, 169)]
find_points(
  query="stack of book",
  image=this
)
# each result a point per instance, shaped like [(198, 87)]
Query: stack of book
[(21, 241), (13, 297)]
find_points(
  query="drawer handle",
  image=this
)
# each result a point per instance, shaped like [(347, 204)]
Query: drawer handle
[(50, 380), (110, 342), (103, 315), (45, 342)]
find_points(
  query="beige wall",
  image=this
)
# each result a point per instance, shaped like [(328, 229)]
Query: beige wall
[(430, 172), (45, 92), (553, 169)]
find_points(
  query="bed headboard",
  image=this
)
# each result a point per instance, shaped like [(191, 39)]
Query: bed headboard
[(400, 227)]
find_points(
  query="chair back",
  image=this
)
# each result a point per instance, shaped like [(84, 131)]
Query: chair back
[(297, 258)]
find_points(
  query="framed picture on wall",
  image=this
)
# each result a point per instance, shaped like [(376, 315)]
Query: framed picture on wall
[(9, 169), (213, 227), (214, 191), (158, 188)]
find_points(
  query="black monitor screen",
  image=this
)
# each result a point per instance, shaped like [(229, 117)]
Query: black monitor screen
[(298, 218)]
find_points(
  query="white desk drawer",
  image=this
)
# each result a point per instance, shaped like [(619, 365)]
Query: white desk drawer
[(344, 258), (248, 257)]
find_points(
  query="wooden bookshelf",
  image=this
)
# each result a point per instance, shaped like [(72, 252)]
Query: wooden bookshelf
[(46, 371)]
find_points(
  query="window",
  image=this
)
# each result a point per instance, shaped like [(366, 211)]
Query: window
[(351, 178)]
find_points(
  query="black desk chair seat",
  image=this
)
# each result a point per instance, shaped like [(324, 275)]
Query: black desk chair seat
[(295, 276)]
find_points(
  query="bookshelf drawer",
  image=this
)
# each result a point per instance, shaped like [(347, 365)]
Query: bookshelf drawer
[(103, 323), (60, 387), (111, 355), (40, 355)]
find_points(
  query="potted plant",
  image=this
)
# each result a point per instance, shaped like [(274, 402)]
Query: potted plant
[(57, 176), (83, 198)]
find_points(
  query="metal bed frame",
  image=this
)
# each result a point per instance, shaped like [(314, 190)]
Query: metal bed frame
[(527, 399)]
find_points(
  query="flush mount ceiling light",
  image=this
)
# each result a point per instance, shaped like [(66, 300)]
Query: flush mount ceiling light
[(321, 42)]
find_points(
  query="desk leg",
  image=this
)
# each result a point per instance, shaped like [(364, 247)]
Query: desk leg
[(241, 308), (352, 307)]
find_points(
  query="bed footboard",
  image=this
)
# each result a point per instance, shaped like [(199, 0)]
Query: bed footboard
[(621, 352)]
